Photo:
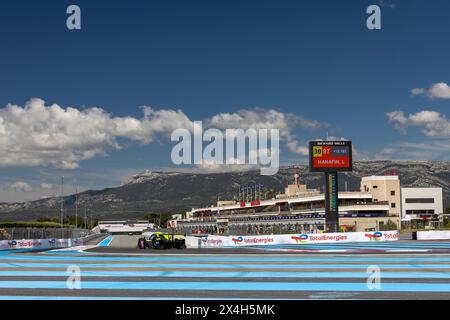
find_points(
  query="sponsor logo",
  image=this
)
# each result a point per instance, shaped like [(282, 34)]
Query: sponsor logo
[(212, 242), (326, 237), (29, 244), (258, 240), (376, 236), (252, 240), (303, 238), (237, 240), (12, 243), (391, 235), (52, 242)]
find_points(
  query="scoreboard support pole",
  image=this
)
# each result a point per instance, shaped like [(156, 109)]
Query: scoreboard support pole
[(331, 202)]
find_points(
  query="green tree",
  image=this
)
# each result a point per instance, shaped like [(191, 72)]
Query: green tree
[(390, 225), (446, 222), (158, 219), (47, 219)]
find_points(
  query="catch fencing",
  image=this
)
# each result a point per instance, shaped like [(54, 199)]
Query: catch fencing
[(42, 233)]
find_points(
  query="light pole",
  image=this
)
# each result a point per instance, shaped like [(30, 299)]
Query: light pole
[(62, 205), (76, 207), (218, 207)]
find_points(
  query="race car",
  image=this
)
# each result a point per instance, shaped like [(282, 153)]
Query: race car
[(161, 240)]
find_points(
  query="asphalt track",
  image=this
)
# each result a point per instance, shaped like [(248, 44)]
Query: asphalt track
[(409, 270)]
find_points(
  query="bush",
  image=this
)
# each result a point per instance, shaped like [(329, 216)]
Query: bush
[(446, 222), (29, 224), (389, 226)]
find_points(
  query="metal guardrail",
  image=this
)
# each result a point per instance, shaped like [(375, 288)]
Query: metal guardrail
[(91, 237)]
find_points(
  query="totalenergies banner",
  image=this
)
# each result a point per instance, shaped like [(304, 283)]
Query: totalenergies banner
[(38, 243), (300, 239)]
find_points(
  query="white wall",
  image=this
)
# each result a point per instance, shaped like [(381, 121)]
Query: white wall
[(433, 235), (411, 193), (136, 227)]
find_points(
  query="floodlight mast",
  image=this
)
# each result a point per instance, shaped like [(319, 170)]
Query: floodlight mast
[(62, 204)]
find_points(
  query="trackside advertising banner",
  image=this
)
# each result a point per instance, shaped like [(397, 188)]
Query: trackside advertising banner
[(433, 235), (238, 241), (38, 243)]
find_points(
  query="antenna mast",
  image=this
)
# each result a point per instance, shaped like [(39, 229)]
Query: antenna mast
[(62, 203)]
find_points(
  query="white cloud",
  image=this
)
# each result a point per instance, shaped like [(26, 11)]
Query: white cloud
[(295, 147), (50, 135), (38, 134), (210, 166), (267, 119), (21, 186), (418, 91), (398, 120), (47, 186), (436, 91), (233, 164), (429, 150), (22, 190), (432, 123)]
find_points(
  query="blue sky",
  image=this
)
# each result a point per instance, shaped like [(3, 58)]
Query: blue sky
[(315, 60)]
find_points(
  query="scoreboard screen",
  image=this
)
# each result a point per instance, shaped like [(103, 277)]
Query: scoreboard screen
[(330, 156)]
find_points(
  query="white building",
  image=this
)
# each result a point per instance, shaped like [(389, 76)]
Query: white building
[(381, 201), (384, 188), (422, 204), (124, 227)]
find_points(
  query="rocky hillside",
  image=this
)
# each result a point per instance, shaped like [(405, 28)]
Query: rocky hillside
[(153, 192)]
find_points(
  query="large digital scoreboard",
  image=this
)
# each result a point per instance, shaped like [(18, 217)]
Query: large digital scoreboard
[(330, 156)]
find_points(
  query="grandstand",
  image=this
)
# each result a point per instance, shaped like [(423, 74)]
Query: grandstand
[(377, 206)]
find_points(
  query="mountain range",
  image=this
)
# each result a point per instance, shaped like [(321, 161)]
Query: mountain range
[(176, 192)]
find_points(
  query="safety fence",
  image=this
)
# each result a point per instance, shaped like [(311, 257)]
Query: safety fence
[(42, 233), (39, 243), (77, 237)]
